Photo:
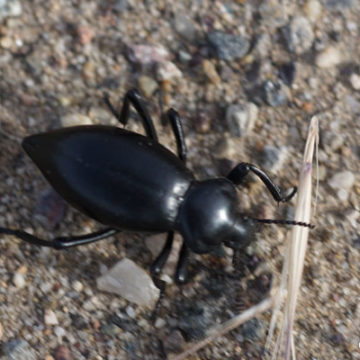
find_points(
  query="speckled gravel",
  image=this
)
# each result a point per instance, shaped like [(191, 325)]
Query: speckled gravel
[(289, 59)]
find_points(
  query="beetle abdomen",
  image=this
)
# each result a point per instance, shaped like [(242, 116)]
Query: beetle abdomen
[(119, 178)]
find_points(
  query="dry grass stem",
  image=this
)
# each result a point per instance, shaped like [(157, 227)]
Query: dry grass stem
[(228, 326), (295, 255)]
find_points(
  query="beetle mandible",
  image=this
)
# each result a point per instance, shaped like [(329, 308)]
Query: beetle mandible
[(128, 181)]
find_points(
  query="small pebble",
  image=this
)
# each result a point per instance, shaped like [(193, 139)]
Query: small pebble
[(226, 148), (328, 58), (352, 215), (131, 282), (147, 85), (168, 71), (339, 5), (273, 13), (241, 118), (18, 349), (1, 331), (85, 34), (75, 119), (100, 115), (19, 280), (355, 81), (63, 353), (313, 10), (77, 286), (184, 26), (147, 54), (50, 318), (228, 46), (299, 35), (273, 158), (109, 329), (10, 8), (210, 72), (262, 45), (254, 330), (342, 180), (130, 312), (6, 42), (202, 122), (287, 72), (59, 332), (174, 342), (159, 323), (120, 5), (274, 93), (155, 243)]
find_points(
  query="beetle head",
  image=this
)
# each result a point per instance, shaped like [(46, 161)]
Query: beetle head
[(208, 217)]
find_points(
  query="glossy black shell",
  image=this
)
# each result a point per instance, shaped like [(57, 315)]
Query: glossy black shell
[(120, 178)]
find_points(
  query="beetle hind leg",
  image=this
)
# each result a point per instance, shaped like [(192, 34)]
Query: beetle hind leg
[(133, 97), (60, 243)]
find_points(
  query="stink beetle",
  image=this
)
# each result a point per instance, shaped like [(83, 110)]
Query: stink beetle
[(128, 181)]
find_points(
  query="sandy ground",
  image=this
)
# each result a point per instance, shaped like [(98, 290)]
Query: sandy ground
[(281, 63)]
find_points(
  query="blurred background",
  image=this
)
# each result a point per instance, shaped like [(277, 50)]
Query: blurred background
[(246, 77)]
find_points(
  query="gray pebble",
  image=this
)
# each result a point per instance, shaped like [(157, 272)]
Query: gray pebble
[(131, 282), (299, 35), (18, 349), (120, 5), (254, 330), (342, 180), (339, 5), (241, 118), (174, 342), (273, 13), (262, 45), (228, 46), (274, 93), (184, 26), (273, 158), (10, 8)]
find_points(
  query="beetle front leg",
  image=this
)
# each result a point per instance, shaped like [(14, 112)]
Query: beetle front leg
[(237, 175), (133, 97)]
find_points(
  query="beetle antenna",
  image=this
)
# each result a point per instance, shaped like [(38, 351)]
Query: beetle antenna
[(284, 222)]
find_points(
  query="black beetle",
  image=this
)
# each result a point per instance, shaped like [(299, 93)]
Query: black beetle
[(128, 181)]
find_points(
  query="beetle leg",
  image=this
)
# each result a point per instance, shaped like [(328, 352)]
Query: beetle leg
[(133, 97), (60, 242), (161, 259), (181, 268), (175, 121), (238, 173), (65, 242)]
